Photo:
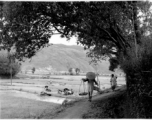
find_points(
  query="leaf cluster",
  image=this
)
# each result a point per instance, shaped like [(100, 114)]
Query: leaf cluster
[(5, 67), (105, 28), (23, 30)]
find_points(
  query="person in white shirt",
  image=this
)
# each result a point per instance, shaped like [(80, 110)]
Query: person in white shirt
[(113, 82)]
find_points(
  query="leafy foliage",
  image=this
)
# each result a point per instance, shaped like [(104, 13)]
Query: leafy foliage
[(5, 67), (77, 70), (95, 24), (106, 28), (139, 80), (29, 25), (113, 63), (22, 30), (71, 71), (33, 70), (114, 107)]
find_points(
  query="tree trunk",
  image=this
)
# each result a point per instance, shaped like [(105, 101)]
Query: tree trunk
[(135, 21), (10, 64)]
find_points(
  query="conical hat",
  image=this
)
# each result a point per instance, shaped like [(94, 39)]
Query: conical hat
[(90, 75)]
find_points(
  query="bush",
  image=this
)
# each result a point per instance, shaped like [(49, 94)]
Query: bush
[(5, 67), (110, 107), (139, 80)]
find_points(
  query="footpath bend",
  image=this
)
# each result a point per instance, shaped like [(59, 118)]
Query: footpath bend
[(81, 107)]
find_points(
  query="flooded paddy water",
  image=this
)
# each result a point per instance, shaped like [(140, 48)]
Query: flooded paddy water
[(12, 96), (53, 99), (55, 83)]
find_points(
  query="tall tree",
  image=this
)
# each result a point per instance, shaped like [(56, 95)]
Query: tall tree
[(106, 28), (22, 30), (28, 25), (77, 70)]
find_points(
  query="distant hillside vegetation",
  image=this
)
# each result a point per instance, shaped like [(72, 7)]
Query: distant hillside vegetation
[(62, 57)]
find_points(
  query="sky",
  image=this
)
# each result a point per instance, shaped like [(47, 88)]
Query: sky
[(56, 39)]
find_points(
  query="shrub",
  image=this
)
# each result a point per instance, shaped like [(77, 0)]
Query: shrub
[(139, 80), (5, 67)]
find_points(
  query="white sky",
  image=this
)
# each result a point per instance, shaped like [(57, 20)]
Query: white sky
[(56, 39)]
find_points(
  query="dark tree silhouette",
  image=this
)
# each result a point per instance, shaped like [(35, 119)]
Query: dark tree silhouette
[(77, 70), (33, 70)]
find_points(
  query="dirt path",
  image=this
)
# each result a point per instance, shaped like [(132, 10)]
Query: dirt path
[(75, 111), (79, 108)]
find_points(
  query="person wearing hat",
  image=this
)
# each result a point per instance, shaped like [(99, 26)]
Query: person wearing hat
[(90, 78)]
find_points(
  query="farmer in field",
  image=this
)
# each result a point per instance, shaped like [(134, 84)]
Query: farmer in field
[(47, 89), (90, 78), (113, 82), (66, 91)]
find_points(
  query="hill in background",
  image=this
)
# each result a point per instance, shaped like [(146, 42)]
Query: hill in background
[(59, 57)]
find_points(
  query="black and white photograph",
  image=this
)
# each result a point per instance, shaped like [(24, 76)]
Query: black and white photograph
[(76, 59)]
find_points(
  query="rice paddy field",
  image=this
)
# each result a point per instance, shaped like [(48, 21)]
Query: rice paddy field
[(22, 98)]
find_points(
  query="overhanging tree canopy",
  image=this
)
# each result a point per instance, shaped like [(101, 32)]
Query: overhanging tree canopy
[(106, 28)]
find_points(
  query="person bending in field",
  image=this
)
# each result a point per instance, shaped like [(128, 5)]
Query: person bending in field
[(66, 91), (91, 80), (47, 89), (113, 82)]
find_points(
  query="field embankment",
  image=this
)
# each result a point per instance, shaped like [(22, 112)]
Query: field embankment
[(95, 109), (113, 106)]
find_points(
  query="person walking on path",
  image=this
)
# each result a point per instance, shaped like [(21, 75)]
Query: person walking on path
[(90, 78), (113, 82)]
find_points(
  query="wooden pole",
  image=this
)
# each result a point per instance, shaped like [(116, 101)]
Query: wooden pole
[(10, 64), (11, 69), (135, 26), (97, 75)]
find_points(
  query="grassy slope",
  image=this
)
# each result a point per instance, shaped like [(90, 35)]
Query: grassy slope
[(111, 107), (62, 57)]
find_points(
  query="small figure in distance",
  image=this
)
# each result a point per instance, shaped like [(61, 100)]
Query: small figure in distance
[(47, 89), (113, 82), (66, 91)]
